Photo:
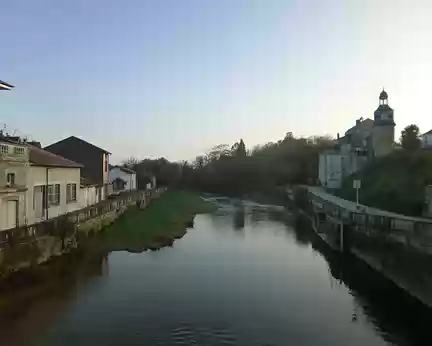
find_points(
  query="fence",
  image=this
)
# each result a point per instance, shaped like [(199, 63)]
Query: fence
[(71, 222)]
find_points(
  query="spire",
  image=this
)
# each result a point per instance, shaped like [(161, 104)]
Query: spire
[(383, 98)]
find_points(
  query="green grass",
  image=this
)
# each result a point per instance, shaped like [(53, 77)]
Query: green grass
[(395, 183), (158, 225)]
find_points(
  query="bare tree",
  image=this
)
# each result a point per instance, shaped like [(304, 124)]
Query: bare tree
[(130, 162)]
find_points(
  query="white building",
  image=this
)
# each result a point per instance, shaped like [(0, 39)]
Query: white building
[(122, 179), (366, 140), (53, 186), (330, 169), (14, 163), (426, 140), (35, 185)]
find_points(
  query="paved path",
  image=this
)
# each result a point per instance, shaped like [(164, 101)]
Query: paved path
[(352, 206)]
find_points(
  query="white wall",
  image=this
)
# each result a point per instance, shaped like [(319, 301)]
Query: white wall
[(19, 197), (330, 170), (129, 178), (37, 177), (20, 169), (427, 141), (87, 196)]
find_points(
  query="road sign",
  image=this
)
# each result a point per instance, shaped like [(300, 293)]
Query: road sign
[(356, 184)]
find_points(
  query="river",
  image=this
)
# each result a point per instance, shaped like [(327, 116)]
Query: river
[(247, 275)]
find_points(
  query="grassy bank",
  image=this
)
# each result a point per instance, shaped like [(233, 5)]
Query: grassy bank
[(395, 183), (158, 225)]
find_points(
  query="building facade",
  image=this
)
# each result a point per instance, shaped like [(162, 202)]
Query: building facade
[(35, 185), (330, 172), (367, 140), (14, 163), (53, 185), (94, 161), (122, 178), (426, 140)]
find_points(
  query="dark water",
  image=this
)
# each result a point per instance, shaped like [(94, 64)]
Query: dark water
[(248, 275)]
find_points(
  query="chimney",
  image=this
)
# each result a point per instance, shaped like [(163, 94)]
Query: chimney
[(338, 135)]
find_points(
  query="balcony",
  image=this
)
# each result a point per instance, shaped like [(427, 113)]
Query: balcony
[(12, 152), (12, 188)]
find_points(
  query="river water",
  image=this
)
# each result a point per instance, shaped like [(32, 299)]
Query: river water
[(246, 275)]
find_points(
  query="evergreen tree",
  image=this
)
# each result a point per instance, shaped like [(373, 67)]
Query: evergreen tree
[(410, 138)]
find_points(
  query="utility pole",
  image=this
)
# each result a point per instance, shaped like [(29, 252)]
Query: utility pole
[(356, 186)]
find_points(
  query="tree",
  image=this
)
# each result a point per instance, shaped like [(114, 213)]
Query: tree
[(130, 162), (239, 149), (410, 138), (218, 152), (199, 162)]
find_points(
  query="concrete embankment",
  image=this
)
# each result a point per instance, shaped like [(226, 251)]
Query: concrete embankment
[(35, 244), (402, 255)]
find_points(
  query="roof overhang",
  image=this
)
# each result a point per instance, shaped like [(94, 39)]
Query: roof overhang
[(5, 86)]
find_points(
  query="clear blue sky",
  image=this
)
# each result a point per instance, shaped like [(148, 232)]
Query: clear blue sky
[(174, 77)]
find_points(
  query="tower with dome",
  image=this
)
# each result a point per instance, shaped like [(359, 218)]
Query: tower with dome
[(383, 128), (368, 139)]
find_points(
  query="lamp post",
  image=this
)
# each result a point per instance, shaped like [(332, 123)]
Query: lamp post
[(5, 86)]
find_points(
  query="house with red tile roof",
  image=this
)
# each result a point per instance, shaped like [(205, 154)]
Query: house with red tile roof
[(35, 184)]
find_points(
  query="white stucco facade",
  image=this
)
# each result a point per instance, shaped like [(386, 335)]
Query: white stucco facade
[(14, 162), (330, 170), (88, 195), (38, 178), (128, 176), (427, 140)]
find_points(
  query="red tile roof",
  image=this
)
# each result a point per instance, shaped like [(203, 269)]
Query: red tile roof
[(40, 157)]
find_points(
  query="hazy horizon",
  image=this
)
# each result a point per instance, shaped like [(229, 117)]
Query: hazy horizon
[(174, 78)]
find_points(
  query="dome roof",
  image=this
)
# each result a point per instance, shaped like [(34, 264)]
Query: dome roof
[(383, 95)]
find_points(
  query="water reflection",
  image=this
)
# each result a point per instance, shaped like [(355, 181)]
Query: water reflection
[(239, 218), (34, 301), (399, 318), (277, 284)]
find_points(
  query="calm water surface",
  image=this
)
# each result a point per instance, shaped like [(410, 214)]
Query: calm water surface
[(247, 275)]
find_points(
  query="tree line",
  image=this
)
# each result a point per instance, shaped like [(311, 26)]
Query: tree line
[(237, 170)]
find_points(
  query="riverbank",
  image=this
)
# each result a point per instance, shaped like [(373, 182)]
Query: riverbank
[(165, 220)]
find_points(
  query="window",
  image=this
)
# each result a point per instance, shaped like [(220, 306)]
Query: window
[(53, 194), (4, 149), (71, 193), (10, 178), (18, 151)]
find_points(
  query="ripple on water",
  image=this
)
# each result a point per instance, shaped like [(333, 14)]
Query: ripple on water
[(189, 334)]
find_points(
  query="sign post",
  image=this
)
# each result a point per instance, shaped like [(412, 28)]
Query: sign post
[(357, 185)]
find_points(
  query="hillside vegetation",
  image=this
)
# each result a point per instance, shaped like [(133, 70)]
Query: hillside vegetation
[(395, 183)]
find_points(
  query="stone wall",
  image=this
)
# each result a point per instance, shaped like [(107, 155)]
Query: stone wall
[(30, 245)]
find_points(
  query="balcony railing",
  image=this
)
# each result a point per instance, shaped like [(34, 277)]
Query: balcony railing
[(13, 152)]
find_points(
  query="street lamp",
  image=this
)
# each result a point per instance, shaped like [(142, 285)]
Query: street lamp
[(5, 86)]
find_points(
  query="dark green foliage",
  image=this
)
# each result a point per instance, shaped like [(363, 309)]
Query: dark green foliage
[(232, 170), (266, 169), (395, 182), (410, 138)]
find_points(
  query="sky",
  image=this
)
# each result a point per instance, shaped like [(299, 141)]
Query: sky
[(173, 78)]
